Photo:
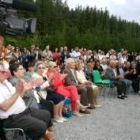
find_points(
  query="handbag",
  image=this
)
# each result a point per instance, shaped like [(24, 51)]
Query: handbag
[(68, 111), (45, 104)]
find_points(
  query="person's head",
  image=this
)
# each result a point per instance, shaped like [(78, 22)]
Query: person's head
[(113, 64), (53, 66), (76, 49), (3, 73), (47, 48), (61, 49), (70, 63), (65, 48), (133, 64), (78, 66), (112, 52), (56, 49), (17, 70), (30, 67), (90, 65), (122, 49), (33, 47), (120, 64), (97, 63), (25, 50), (39, 67), (127, 65), (104, 61), (17, 50)]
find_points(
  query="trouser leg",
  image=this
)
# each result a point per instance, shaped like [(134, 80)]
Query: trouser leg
[(33, 121), (83, 93)]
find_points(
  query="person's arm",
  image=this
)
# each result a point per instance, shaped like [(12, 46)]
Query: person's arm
[(69, 81), (9, 102), (109, 75), (21, 89), (5, 105)]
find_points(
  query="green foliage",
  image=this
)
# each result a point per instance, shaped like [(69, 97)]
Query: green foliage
[(88, 27)]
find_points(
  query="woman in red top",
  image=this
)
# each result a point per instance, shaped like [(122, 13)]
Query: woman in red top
[(58, 84)]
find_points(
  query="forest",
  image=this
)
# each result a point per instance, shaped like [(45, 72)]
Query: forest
[(89, 27)]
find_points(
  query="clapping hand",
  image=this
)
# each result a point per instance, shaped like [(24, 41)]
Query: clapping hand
[(63, 76), (37, 82), (22, 87), (19, 87), (51, 76)]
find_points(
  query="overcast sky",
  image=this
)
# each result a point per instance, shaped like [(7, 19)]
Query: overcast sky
[(126, 9)]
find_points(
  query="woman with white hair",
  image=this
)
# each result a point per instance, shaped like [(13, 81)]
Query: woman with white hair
[(57, 99)]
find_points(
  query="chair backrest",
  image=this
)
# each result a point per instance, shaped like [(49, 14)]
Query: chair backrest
[(2, 134), (96, 76)]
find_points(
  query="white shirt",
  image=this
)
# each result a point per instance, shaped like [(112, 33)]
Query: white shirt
[(75, 55), (82, 79), (42, 92), (6, 91), (81, 76), (115, 73)]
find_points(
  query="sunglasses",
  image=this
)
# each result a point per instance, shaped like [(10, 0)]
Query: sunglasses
[(55, 66), (41, 68), (3, 72)]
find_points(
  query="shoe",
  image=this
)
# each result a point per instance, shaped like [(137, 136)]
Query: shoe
[(97, 106), (125, 96), (58, 120), (91, 106), (85, 111), (48, 136), (77, 114), (82, 106), (64, 119), (121, 97)]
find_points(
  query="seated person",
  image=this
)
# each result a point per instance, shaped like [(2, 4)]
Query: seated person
[(57, 99), (111, 74), (89, 70), (120, 71), (132, 74), (30, 70), (99, 67), (58, 84), (18, 75), (82, 79), (15, 114), (85, 92)]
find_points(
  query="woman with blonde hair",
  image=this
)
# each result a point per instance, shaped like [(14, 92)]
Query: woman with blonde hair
[(82, 79)]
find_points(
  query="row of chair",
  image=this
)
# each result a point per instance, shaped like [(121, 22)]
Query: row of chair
[(104, 84)]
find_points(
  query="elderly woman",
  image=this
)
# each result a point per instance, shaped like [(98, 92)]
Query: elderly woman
[(82, 79), (58, 83), (57, 99)]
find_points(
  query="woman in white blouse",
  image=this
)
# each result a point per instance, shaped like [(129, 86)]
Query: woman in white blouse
[(57, 99), (82, 79)]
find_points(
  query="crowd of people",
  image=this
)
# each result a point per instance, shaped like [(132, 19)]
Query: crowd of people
[(34, 84)]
